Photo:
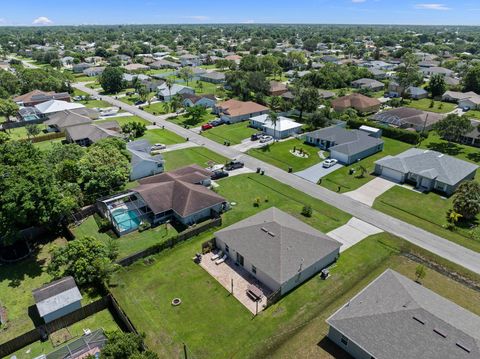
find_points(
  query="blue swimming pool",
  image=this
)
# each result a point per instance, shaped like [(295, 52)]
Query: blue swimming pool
[(126, 220)]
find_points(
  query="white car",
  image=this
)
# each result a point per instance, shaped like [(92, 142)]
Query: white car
[(329, 163), (265, 139), (158, 147)]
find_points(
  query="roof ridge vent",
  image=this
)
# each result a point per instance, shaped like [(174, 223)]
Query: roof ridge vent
[(271, 234), (461, 346), (421, 321), (443, 335), (264, 229)]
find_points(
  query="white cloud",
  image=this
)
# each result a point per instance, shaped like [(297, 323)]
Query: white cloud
[(42, 20), (432, 7)]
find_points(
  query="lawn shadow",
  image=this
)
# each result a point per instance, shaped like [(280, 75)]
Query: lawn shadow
[(35, 316), (448, 148), (331, 348)]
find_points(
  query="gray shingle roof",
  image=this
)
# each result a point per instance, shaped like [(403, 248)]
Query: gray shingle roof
[(56, 295), (396, 318), (140, 151), (277, 243), (348, 142), (430, 164)]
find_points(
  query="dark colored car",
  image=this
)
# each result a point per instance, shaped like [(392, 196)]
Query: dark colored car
[(233, 165), (216, 123), (256, 136), (139, 103), (218, 174), (206, 126)]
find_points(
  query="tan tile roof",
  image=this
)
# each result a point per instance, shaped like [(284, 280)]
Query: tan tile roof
[(356, 101), (237, 108)]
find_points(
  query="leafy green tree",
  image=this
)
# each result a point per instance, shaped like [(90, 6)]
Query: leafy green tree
[(8, 108), (33, 130), (420, 272), (111, 79), (134, 129), (194, 115), (306, 99), (471, 79), (185, 73), (409, 73), (4, 137), (466, 200), (320, 118), (104, 169), (122, 345), (176, 103), (437, 85), (453, 127), (86, 259)]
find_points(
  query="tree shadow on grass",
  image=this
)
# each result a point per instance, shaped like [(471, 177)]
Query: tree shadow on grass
[(475, 156), (451, 149), (331, 348)]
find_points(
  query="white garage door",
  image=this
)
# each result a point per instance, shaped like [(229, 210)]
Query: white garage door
[(392, 175), (340, 157)]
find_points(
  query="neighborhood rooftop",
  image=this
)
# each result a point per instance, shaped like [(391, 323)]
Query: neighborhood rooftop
[(56, 295)]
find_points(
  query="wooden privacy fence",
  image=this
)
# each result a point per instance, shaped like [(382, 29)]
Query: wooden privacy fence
[(157, 248), (106, 302)]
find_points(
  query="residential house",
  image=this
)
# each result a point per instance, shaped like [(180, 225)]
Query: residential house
[(142, 162), (135, 67), (408, 118), (234, 58), (378, 74), (164, 64), (213, 77), (56, 299), (232, 111), (36, 97), (59, 121), (53, 106), (190, 60), (277, 88), (94, 71), (359, 102), (277, 249), (326, 95), (207, 101), (395, 317), (430, 71), (79, 68), (416, 93), (473, 137), (179, 195), (346, 146), (166, 94), (283, 128), (89, 133), (368, 84), (131, 77), (470, 103), (456, 97), (426, 170)]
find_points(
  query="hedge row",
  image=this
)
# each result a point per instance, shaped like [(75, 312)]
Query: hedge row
[(391, 132)]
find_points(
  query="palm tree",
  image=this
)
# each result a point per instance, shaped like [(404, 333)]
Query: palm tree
[(169, 83), (273, 118)]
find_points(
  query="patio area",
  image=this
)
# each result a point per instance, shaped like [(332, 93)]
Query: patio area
[(228, 270)]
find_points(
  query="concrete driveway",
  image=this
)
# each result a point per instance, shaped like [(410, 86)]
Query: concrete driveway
[(371, 190), (314, 173), (353, 232)]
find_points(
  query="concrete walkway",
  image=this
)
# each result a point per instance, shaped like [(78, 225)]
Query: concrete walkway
[(353, 232), (371, 190), (418, 236)]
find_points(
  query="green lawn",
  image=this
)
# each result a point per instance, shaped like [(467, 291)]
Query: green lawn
[(214, 325), (278, 154), (199, 155), (84, 78), (95, 103), (17, 133), (16, 284), (348, 182), (77, 92), (427, 211), (129, 243), (202, 87), (124, 119), (180, 120), (162, 136), (233, 133), (99, 320), (46, 145), (425, 103), (158, 108)]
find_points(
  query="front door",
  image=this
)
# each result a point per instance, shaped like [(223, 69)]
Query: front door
[(239, 259)]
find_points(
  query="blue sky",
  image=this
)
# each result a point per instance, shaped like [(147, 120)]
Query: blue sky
[(56, 12)]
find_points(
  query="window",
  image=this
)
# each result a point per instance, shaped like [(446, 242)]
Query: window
[(254, 269), (344, 340), (227, 249)]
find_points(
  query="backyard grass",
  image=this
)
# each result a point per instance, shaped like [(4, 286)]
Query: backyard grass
[(129, 243), (47, 145), (16, 284), (162, 136), (84, 78), (202, 87), (188, 156), (349, 182), (95, 103), (427, 211), (215, 325), (124, 119), (157, 108), (234, 133), (99, 320), (278, 154), (425, 105)]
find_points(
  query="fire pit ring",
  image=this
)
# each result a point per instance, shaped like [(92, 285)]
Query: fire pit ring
[(176, 302)]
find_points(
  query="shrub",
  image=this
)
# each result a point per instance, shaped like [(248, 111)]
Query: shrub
[(307, 210), (104, 225), (256, 202), (391, 132), (144, 226)]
